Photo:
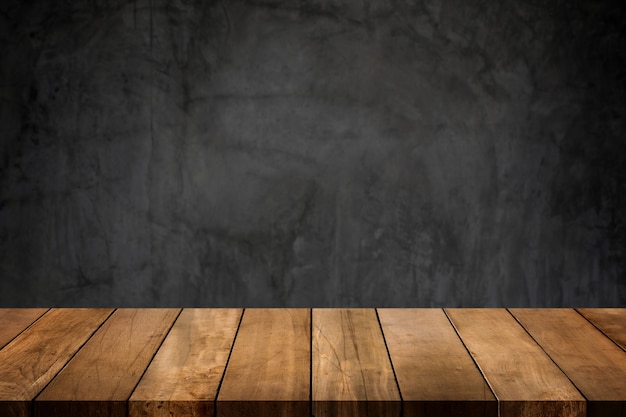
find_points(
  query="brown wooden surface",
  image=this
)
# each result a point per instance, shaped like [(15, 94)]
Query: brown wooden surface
[(140, 362), (34, 357), (436, 374), (268, 374), (14, 321), (611, 321), (352, 375), (523, 378), (595, 364), (99, 380), (183, 378)]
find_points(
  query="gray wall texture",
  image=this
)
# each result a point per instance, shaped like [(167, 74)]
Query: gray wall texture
[(312, 153)]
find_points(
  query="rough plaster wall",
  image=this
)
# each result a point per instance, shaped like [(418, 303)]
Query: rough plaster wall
[(312, 153)]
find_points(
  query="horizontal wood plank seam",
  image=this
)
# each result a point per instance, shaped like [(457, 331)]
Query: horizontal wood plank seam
[(232, 345), (547, 354), (32, 402), (150, 361), (27, 327), (600, 330), (493, 391), (393, 369)]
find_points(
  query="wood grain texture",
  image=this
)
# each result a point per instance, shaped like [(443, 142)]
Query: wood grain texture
[(436, 374), (183, 378), (612, 322), (352, 374), (523, 378), (268, 374), (34, 357), (595, 364), (99, 380), (13, 321)]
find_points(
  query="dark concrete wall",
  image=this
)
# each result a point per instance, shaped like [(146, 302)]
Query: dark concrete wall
[(312, 153)]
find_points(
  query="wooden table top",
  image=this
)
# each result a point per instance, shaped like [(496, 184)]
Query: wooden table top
[(312, 362)]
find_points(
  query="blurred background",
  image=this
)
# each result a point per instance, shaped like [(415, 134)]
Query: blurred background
[(313, 153)]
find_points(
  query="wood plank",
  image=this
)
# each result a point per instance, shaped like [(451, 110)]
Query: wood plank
[(436, 374), (99, 380), (352, 374), (34, 357), (183, 378), (612, 322), (268, 374), (14, 321), (595, 364), (523, 378)]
